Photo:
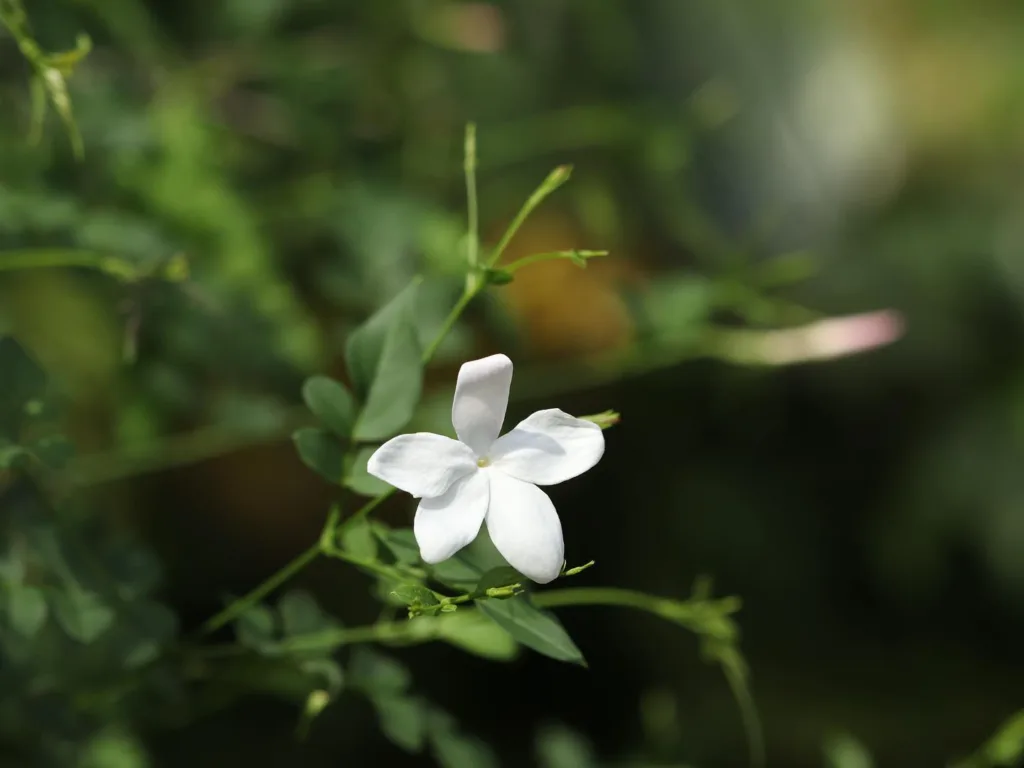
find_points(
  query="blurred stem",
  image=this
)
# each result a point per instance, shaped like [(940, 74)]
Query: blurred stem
[(45, 258), (365, 510), (242, 604), (469, 166)]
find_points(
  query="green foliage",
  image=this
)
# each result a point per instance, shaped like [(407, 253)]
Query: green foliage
[(411, 722), (534, 628), (383, 357), (1003, 750), (51, 70), (331, 403), (321, 451)]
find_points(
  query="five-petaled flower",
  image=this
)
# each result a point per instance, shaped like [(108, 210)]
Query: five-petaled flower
[(482, 476)]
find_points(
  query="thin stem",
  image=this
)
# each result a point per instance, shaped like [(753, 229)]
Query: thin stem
[(45, 258), (551, 256), (366, 509), (469, 166), (554, 180), (388, 632), (242, 604), (468, 295), (628, 598)]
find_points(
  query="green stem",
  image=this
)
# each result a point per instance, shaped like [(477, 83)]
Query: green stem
[(242, 604), (628, 598), (45, 258), (550, 256), (554, 180), (366, 509), (388, 632), (469, 166), (468, 295)]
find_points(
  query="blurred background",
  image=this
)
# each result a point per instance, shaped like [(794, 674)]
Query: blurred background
[(751, 166)]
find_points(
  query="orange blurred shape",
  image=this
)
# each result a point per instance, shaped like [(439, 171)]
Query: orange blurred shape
[(470, 27), (564, 310)]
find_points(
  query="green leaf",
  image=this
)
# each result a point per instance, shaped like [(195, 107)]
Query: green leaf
[(475, 633), (383, 358), (255, 628), (414, 594), (456, 750), (559, 747), (321, 451), (358, 540), (301, 614), (26, 607), (11, 455), (81, 614), (534, 628), (403, 720), (464, 570), (400, 542), (331, 403), (23, 385), (358, 479), (54, 451), (377, 674)]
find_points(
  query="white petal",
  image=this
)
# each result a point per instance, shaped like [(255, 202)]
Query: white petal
[(445, 524), (423, 464), (481, 395), (524, 527), (548, 447)]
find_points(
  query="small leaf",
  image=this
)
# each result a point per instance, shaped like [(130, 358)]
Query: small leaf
[(81, 614), (377, 674), (559, 747), (24, 381), (11, 455), (27, 610), (321, 451), (54, 451), (456, 750), (403, 720), (464, 570), (383, 358), (300, 614), (331, 403), (358, 479), (533, 627), (475, 633), (400, 542), (358, 540), (414, 594), (255, 628)]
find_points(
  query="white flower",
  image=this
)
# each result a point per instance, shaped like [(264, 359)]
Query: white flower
[(482, 476)]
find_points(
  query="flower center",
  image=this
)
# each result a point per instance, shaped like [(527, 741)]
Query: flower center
[(483, 461)]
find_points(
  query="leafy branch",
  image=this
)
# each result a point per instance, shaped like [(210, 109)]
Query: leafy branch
[(50, 73)]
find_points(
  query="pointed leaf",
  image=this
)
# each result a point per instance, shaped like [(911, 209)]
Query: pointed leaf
[(534, 628), (403, 720), (321, 451), (383, 358), (331, 403)]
